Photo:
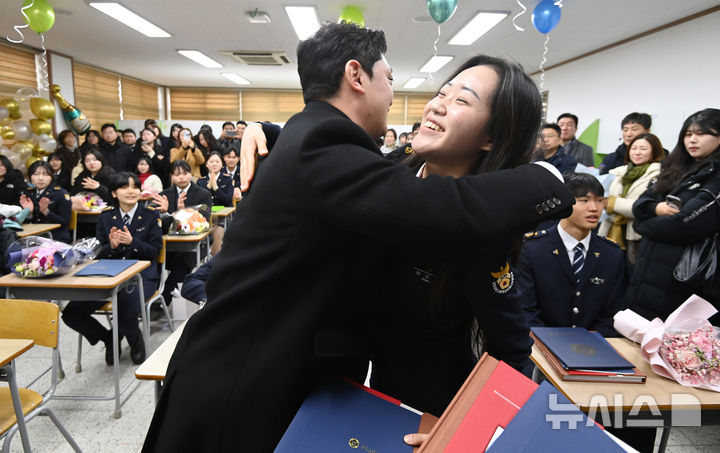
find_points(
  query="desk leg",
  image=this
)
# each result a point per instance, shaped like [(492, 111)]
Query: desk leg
[(116, 353), (158, 389), (17, 405), (664, 439), (143, 314)]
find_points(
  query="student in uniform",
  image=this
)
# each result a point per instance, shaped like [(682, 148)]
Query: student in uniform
[(129, 231), (219, 183), (61, 176), (47, 203), (12, 182), (231, 159)]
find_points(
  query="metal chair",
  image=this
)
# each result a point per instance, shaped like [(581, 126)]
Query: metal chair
[(29, 319)]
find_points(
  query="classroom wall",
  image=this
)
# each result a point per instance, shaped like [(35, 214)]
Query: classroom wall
[(670, 75)]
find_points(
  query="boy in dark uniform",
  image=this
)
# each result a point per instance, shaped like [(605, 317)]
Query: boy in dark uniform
[(129, 231), (47, 203), (568, 275)]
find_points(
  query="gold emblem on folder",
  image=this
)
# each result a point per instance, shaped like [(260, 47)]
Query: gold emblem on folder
[(354, 443)]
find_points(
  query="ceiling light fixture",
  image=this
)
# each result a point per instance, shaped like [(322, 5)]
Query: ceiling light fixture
[(435, 63), (304, 20), (236, 78), (258, 17), (478, 26), (129, 18), (200, 58), (414, 82)]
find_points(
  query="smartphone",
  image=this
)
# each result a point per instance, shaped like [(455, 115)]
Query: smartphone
[(672, 200), (231, 133), (187, 135), (145, 143)]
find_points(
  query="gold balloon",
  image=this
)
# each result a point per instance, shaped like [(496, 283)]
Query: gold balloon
[(7, 133), (12, 106), (40, 126), (42, 108), (31, 160), (39, 152)]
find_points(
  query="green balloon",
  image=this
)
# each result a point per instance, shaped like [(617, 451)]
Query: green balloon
[(354, 15), (41, 15), (441, 10)]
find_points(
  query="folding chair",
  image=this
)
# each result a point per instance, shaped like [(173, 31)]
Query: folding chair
[(29, 319)]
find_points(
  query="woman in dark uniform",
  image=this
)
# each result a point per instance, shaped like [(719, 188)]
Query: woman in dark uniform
[(95, 176), (48, 203), (129, 231), (12, 182)]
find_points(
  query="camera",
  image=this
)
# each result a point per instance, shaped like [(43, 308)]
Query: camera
[(232, 133)]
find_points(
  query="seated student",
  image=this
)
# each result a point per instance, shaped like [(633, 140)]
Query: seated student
[(129, 231), (568, 275), (61, 176), (231, 159), (187, 151), (95, 176), (12, 182), (219, 184), (183, 193), (552, 152), (47, 203), (149, 181)]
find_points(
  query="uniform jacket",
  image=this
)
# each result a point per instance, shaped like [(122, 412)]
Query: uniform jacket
[(62, 179), (11, 186), (146, 232), (581, 152), (424, 349), (118, 155), (60, 209), (235, 176), (653, 291), (552, 295), (293, 291), (224, 194), (623, 205)]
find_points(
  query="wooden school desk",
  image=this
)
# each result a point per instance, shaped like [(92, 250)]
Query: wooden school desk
[(37, 229), (187, 243), (155, 367), (69, 287), (223, 216), (9, 351), (661, 401)]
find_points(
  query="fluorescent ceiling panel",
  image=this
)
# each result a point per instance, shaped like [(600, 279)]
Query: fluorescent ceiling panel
[(414, 82), (435, 63), (129, 18), (478, 26), (237, 78), (304, 20), (200, 58)]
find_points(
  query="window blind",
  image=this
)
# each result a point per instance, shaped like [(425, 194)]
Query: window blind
[(204, 104), (271, 105), (139, 99), (96, 94), (16, 71)]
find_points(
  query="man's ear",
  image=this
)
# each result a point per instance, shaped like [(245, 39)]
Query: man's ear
[(354, 76)]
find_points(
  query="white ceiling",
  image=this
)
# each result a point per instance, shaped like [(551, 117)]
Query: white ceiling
[(212, 26)]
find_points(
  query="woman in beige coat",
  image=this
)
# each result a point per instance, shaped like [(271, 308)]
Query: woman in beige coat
[(188, 152), (643, 166)]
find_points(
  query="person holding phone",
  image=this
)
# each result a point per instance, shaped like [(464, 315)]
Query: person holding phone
[(690, 175), (228, 138), (149, 146), (188, 152)]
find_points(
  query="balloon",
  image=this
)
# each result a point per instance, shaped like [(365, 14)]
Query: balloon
[(7, 133), (24, 94), (42, 108), (39, 152), (546, 16), (352, 14), (12, 106), (48, 145), (31, 160), (41, 15), (22, 130), (441, 10), (4, 112), (40, 126), (4, 151), (23, 149)]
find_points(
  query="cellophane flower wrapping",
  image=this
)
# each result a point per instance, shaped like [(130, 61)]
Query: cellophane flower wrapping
[(39, 257), (685, 347), (189, 221), (92, 201)]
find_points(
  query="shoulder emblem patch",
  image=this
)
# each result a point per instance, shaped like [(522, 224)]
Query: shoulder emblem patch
[(67, 196), (504, 279)]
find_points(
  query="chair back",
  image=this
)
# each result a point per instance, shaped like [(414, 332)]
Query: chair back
[(163, 250), (30, 319), (72, 225)]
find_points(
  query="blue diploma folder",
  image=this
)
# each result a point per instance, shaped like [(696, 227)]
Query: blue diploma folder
[(338, 416), (105, 268), (549, 422), (578, 348)]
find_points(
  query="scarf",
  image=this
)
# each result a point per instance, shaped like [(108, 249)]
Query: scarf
[(142, 177), (632, 174), (616, 233)]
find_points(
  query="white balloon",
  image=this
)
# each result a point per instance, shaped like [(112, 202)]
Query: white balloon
[(22, 130), (4, 112), (4, 151), (24, 94), (48, 145)]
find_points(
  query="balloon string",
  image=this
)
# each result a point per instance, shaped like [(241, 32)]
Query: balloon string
[(558, 3), (437, 40), (44, 75), (18, 27), (517, 27), (120, 98), (542, 63)]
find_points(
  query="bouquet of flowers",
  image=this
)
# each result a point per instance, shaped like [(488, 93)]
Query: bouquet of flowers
[(685, 348), (89, 201), (189, 221), (38, 257)]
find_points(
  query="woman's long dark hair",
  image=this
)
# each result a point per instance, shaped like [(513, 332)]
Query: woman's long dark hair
[(680, 163)]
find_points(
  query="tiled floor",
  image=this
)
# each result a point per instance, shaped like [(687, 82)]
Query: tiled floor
[(92, 424)]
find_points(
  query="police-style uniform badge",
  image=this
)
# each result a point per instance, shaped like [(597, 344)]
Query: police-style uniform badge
[(504, 279)]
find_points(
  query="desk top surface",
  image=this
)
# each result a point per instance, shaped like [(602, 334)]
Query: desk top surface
[(70, 281), (155, 366), (185, 237), (224, 212), (658, 387), (95, 212), (31, 229), (10, 349)]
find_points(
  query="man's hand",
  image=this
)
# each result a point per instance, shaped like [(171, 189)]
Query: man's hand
[(27, 203), (161, 202), (254, 143)]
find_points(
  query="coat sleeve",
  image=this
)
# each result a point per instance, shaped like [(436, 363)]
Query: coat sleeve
[(193, 288), (60, 211), (224, 195), (102, 232), (361, 192), (177, 153)]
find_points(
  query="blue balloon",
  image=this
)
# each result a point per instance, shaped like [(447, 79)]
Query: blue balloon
[(546, 16), (441, 10)]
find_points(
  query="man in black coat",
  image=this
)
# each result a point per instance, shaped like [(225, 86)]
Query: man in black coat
[(293, 290), (117, 154)]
